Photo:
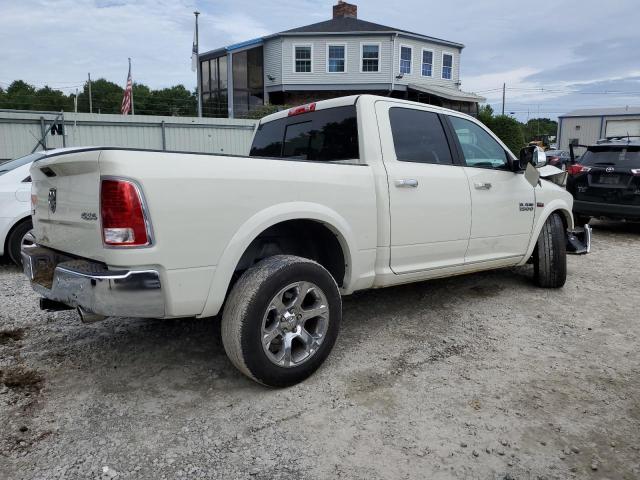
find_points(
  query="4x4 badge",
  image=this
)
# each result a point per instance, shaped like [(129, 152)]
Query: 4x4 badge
[(53, 199)]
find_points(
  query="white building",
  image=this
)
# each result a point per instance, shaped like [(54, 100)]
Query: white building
[(340, 56), (584, 127)]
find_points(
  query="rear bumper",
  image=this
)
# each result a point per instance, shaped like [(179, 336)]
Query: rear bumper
[(92, 287), (611, 210)]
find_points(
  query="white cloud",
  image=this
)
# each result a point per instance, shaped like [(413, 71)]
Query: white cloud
[(59, 41)]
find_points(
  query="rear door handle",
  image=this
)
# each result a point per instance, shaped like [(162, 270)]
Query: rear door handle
[(482, 185), (407, 183)]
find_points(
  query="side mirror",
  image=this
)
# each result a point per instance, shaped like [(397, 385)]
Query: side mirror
[(534, 155)]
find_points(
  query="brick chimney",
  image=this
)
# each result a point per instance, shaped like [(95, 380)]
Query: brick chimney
[(344, 9)]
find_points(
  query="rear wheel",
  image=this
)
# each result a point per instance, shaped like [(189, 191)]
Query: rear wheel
[(281, 320), (19, 236), (550, 254)]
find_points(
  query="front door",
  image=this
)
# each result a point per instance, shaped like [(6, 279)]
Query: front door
[(430, 203), (503, 202)]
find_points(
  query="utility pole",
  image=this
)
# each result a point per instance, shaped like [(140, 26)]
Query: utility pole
[(90, 102), (504, 91), (199, 82)]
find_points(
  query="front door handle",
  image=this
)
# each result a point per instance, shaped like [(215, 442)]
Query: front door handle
[(407, 183), (482, 185)]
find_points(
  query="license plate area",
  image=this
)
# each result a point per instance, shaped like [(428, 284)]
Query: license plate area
[(609, 180)]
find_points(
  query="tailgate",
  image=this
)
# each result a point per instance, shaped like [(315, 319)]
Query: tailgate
[(66, 189)]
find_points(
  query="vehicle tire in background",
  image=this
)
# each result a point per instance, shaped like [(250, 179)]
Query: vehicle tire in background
[(15, 240), (550, 254), (281, 320)]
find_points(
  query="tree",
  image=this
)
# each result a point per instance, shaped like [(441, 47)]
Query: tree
[(539, 126), (485, 115), (174, 101), (49, 99), (509, 130), (106, 97)]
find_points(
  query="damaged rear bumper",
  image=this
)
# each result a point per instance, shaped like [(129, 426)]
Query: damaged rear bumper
[(91, 287)]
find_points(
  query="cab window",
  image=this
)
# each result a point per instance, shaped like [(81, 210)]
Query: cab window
[(418, 136), (479, 149)]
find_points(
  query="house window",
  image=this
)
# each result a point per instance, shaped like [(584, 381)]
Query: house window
[(427, 63), (447, 66), (370, 57), (336, 58), (405, 60), (302, 58)]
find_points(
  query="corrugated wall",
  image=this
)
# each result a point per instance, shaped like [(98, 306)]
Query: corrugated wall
[(20, 132), (585, 129)]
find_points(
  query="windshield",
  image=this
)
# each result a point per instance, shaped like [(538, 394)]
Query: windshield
[(18, 162), (627, 156)]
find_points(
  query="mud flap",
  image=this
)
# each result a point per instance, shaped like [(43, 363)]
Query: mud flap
[(579, 240)]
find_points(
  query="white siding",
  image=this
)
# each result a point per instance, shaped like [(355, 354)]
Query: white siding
[(352, 74), (416, 63), (279, 61), (273, 61)]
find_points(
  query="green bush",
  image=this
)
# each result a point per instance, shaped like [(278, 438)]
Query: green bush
[(509, 130)]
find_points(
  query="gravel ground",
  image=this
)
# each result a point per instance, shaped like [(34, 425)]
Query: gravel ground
[(482, 376)]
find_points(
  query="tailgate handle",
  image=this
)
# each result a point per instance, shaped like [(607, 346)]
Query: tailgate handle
[(407, 182)]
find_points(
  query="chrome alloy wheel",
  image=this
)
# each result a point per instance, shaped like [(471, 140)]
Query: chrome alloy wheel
[(295, 324)]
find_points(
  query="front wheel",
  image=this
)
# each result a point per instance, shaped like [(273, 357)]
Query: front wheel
[(281, 320), (550, 254)]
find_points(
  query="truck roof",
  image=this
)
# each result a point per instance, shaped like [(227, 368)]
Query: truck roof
[(352, 99)]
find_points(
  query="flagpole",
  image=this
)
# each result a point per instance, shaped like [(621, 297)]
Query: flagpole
[(199, 81), (133, 112)]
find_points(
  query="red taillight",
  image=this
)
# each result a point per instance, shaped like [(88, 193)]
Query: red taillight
[(577, 168), (123, 220), (311, 107)]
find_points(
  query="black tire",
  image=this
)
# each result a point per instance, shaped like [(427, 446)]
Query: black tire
[(14, 242), (249, 301), (550, 254)]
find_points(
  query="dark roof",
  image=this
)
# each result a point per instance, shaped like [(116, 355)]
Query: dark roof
[(354, 25)]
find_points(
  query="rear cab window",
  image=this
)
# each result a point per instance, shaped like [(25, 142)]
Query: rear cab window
[(327, 135), (418, 136)]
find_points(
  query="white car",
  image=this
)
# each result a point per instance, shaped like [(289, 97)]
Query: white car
[(15, 206), (336, 196)]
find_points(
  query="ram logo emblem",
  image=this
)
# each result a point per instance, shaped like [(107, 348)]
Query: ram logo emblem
[(53, 200)]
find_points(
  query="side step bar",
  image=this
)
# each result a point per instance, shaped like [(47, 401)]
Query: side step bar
[(579, 240)]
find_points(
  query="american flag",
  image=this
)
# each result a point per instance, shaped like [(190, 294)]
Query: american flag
[(125, 108)]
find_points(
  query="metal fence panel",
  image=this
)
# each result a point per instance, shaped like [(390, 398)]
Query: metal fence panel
[(21, 132)]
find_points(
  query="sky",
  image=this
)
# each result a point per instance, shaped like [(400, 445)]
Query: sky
[(553, 55)]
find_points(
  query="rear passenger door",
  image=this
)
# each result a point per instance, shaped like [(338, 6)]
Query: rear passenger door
[(430, 204)]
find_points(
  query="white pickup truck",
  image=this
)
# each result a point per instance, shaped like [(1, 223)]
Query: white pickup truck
[(336, 196)]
